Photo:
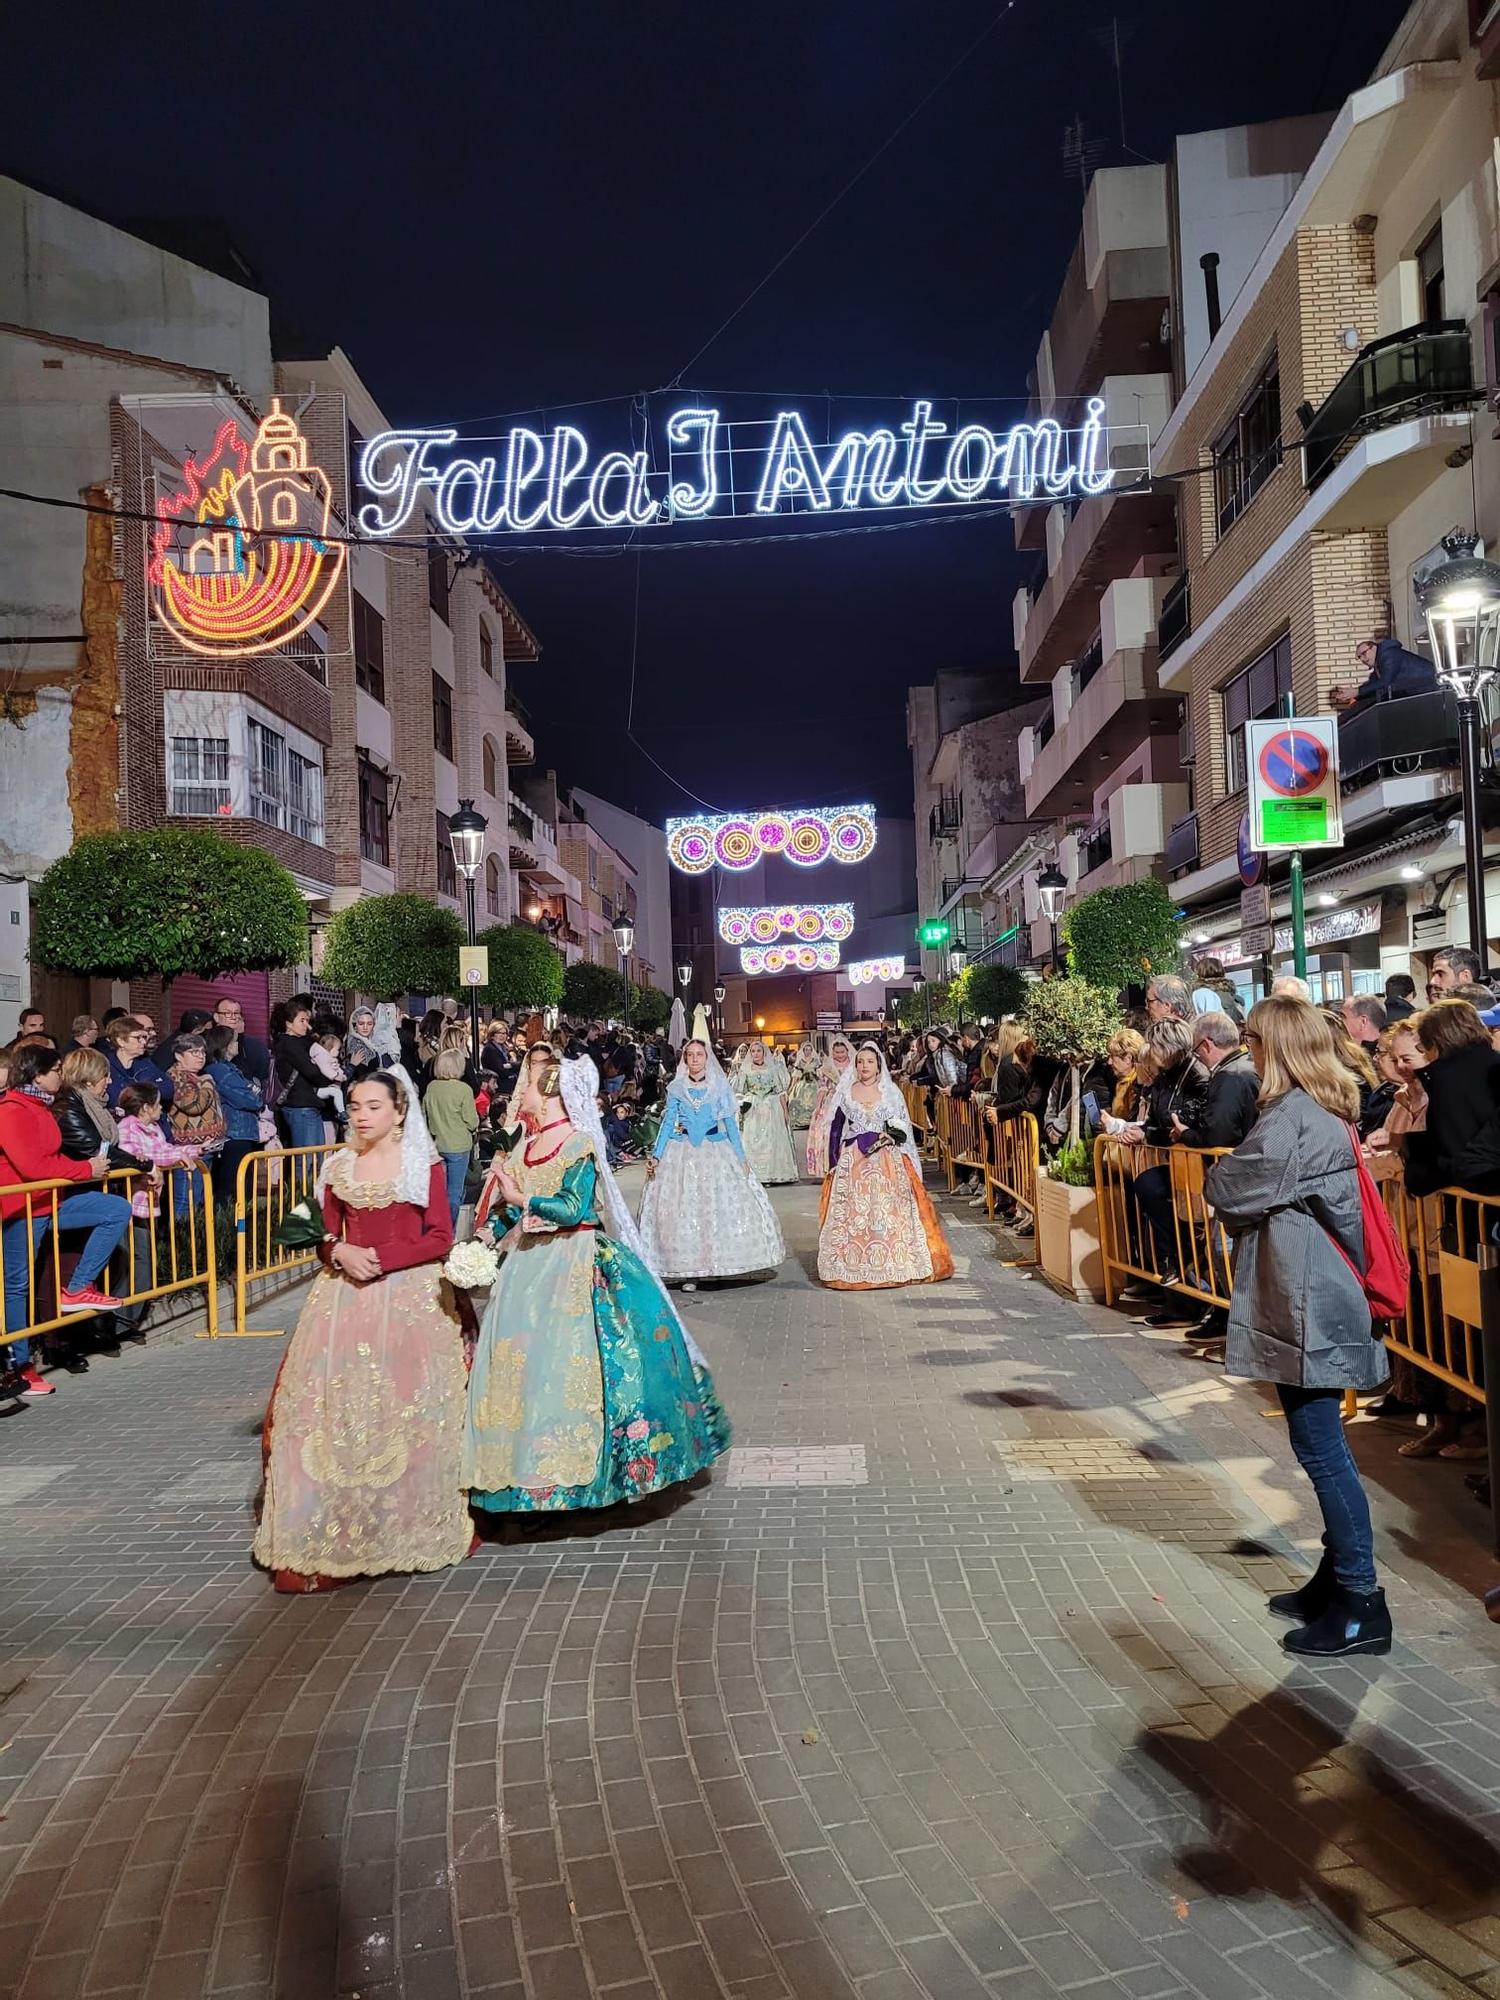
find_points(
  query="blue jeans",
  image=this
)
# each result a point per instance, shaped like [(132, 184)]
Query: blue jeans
[(456, 1167), (17, 1289), (106, 1217), (304, 1125), (1315, 1424), (1151, 1191)]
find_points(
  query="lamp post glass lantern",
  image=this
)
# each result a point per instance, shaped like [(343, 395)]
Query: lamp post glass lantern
[(466, 832), (720, 994), (1460, 600), (1052, 892), (624, 931)]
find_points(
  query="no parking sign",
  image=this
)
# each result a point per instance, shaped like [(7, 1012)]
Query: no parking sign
[(1294, 783)]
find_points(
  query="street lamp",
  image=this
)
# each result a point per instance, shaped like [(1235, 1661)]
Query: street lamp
[(1052, 891), (1460, 600), (466, 831), (624, 931), (720, 993), (919, 985)]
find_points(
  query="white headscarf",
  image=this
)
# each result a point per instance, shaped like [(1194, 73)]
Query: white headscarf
[(828, 1067), (418, 1154), (677, 1026), (713, 1078), (385, 1036), (891, 1109)]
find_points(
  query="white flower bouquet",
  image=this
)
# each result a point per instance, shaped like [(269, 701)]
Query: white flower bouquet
[(472, 1266)]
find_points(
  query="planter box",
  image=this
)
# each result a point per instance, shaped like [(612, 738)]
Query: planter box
[(1067, 1239)]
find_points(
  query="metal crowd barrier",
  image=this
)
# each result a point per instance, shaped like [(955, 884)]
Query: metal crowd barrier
[(1012, 1160), (962, 1138), (1200, 1244), (170, 1249), (915, 1095), (266, 1187)]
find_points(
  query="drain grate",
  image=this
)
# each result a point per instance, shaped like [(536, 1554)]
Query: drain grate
[(798, 1465), (1076, 1458)]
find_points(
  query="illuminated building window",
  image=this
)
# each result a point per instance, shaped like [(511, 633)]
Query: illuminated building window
[(486, 650), (442, 716), (198, 771), (374, 813), (369, 649), (447, 866)]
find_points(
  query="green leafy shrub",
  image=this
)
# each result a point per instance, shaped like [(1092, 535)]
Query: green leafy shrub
[(526, 971), (394, 945), (1073, 1164), (992, 990), (1123, 936), (1070, 1018)]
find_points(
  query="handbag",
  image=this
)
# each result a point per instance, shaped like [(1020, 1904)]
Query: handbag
[(1386, 1278)]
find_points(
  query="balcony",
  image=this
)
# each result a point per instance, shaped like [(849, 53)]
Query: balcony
[(1108, 536), (520, 748), (946, 817), (1176, 620), (1095, 849), (1424, 371), (524, 850), (1119, 703), (1394, 739), (1182, 846)]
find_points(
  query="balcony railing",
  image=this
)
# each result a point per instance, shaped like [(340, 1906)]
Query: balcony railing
[(1416, 732), (1409, 374), (1088, 663), (1182, 845), (1175, 619), (516, 707), (1185, 750), (522, 823), (1042, 730), (947, 816), (1095, 848)]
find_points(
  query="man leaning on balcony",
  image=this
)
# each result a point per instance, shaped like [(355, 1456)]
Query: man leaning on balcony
[(1393, 672)]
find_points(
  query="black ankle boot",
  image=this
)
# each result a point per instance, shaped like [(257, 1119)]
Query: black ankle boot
[(1354, 1622), (1311, 1601)]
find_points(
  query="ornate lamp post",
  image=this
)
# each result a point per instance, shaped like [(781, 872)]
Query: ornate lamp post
[(919, 985), (1052, 891), (1460, 600), (624, 931), (466, 831), (720, 990)]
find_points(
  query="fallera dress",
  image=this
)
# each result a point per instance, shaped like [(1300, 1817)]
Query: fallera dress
[(761, 1092), (704, 1214), (803, 1098), (878, 1228), (583, 1391), (364, 1435), (819, 1131)]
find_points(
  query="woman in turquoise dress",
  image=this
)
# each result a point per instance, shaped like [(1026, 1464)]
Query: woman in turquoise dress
[(586, 1388)]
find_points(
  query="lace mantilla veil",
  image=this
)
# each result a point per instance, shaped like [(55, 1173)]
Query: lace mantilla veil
[(418, 1154), (891, 1109)]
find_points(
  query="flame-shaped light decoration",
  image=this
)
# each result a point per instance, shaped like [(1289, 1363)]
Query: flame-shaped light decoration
[(240, 561), (736, 841), (876, 971)]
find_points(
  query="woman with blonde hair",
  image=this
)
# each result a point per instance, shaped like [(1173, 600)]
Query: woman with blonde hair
[(1124, 1052), (1289, 1196)]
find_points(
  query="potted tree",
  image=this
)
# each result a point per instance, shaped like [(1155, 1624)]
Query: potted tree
[(392, 946), (1072, 1020)]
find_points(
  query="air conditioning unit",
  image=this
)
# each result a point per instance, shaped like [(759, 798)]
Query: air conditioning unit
[(1430, 929)]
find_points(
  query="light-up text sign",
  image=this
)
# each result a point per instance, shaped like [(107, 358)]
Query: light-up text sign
[(707, 467)]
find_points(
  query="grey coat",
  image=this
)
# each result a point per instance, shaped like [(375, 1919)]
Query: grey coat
[(1296, 1311)]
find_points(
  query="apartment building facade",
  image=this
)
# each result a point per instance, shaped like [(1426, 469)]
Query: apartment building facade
[(1328, 432)]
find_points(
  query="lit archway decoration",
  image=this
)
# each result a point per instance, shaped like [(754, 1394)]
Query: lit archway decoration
[(876, 971), (757, 959), (736, 841), (808, 923), (240, 560)]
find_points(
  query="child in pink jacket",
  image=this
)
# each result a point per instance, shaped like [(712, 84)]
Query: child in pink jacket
[(141, 1135)]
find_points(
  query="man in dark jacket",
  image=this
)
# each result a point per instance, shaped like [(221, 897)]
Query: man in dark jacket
[(254, 1058), (1400, 998), (1232, 1098), (1392, 672)]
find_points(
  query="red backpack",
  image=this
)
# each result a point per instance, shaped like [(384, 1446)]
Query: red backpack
[(1386, 1278)]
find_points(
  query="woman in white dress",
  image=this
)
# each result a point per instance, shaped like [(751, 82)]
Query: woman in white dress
[(760, 1090), (877, 1226), (807, 1070), (704, 1214), (835, 1067)]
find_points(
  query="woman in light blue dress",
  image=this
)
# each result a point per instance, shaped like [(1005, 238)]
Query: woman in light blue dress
[(586, 1389)]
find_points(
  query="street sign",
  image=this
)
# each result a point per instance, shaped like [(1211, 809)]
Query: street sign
[(1255, 906), (1252, 863), (1255, 939), (1294, 783), (474, 965)]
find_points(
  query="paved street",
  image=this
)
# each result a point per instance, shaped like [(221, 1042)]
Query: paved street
[(954, 1683)]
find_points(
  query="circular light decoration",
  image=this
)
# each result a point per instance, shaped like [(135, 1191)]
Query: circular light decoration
[(766, 923), (876, 971), (756, 959), (735, 845), (737, 840)]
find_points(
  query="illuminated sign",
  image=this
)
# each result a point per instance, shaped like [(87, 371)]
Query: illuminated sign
[(737, 841), (705, 466), (789, 958), (807, 922), (877, 971), (239, 560)]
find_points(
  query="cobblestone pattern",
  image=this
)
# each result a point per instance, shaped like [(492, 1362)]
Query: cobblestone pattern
[(1007, 1719)]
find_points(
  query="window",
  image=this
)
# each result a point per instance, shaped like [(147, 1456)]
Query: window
[(491, 767), (199, 775), (593, 867), (438, 582), (442, 716), (486, 649), (1249, 450), (304, 797), (1259, 690), (374, 813), (492, 885), (447, 866), (267, 774), (1430, 275), (369, 648)]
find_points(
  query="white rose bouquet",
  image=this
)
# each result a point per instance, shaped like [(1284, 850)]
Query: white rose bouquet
[(472, 1266)]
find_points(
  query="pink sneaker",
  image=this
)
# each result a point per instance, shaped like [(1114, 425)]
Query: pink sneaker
[(33, 1385), (87, 1299)]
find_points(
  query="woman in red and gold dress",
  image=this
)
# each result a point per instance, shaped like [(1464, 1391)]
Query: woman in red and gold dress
[(366, 1424)]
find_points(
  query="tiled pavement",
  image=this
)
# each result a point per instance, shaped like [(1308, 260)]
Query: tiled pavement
[(954, 1684)]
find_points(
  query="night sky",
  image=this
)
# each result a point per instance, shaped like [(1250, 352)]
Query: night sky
[(499, 209)]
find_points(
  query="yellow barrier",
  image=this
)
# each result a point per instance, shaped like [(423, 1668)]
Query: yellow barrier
[(960, 1137), (1012, 1160), (266, 1187), (915, 1095), (1200, 1244), (170, 1250)]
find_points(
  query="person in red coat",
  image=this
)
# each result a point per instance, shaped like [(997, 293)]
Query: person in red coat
[(31, 1150), (364, 1435)]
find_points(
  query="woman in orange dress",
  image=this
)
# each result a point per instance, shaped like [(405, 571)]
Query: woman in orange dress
[(878, 1227)]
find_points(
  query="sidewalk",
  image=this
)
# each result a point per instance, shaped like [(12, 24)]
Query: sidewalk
[(955, 1682)]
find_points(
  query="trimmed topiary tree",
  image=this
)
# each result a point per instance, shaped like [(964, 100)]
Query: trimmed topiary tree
[(650, 1010), (1071, 1020), (592, 992), (993, 990), (170, 901), (526, 971), (394, 945), (1123, 936)]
